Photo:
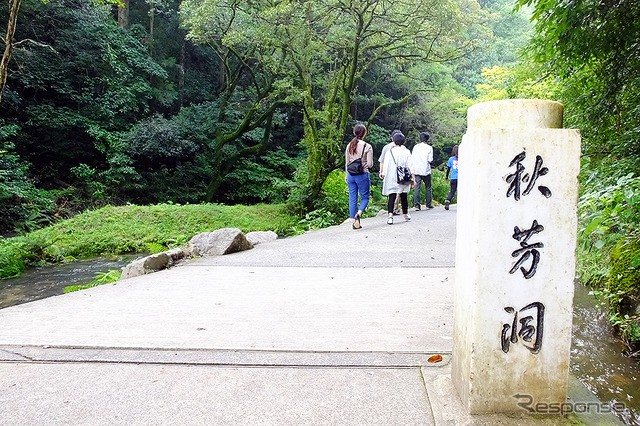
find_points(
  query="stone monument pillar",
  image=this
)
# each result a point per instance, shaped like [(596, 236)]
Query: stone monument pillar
[(515, 259)]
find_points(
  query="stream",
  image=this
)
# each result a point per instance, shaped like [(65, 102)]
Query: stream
[(598, 361), (597, 357), (46, 281)]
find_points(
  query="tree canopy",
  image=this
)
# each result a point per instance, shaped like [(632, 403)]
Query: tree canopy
[(320, 51), (592, 46), (225, 100)]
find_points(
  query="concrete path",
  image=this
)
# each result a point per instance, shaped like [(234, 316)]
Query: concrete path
[(333, 327)]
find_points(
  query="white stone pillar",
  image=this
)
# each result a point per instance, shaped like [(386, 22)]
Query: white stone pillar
[(515, 258)]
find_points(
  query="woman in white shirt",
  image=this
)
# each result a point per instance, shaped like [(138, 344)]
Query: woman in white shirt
[(398, 155)]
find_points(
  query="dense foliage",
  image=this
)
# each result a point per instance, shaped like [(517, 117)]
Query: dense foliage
[(234, 102)]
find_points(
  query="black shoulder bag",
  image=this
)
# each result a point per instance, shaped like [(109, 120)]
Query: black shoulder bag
[(355, 167), (403, 174)]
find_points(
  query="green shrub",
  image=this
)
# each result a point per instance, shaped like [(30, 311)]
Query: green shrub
[(622, 291), (335, 195), (440, 186), (608, 251), (316, 219), (608, 209), (377, 201), (12, 256), (154, 248), (624, 279), (627, 326)]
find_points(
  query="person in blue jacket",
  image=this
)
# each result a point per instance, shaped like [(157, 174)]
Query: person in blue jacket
[(452, 167)]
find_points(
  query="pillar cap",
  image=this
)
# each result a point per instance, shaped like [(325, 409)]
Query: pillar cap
[(515, 114)]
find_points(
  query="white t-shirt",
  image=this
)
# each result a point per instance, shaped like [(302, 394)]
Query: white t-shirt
[(385, 149), (421, 158)]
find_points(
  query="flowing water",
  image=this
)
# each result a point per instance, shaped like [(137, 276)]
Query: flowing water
[(598, 360), (597, 357), (46, 281)]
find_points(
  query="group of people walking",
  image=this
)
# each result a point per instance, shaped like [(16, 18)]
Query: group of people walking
[(400, 170)]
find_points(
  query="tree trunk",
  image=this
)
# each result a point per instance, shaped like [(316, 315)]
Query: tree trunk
[(222, 166), (212, 188), (8, 43), (152, 18), (123, 14), (181, 72)]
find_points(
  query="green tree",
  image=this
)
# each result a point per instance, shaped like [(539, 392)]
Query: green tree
[(22, 206), (14, 9), (81, 81), (329, 45), (592, 46), (253, 83), (521, 81), (338, 42), (510, 31)]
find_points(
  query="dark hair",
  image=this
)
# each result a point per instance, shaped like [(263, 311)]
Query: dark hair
[(359, 132), (454, 151), (424, 136), (394, 131), (398, 138)]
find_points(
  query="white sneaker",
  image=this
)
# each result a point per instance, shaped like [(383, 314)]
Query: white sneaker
[(407, 217)]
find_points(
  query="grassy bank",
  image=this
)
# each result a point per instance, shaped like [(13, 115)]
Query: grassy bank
[(131, 229), (608, 252)]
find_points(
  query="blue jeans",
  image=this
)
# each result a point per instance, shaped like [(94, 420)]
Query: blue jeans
[(359, 184)]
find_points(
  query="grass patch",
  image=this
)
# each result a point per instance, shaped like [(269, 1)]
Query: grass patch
[(133, 229), (102, 278)]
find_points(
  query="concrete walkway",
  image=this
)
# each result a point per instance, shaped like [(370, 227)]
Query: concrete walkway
[(333, 327)]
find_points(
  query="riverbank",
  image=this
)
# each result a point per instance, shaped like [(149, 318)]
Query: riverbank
[(133, 229)]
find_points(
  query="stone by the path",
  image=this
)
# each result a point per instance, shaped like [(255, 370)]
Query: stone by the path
[(259, 237), (153, 263), (216, 243)]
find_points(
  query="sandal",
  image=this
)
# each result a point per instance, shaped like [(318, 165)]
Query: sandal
[(390, 220), (356, 222)]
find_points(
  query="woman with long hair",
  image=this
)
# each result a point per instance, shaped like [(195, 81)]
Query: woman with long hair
[(358, 160)]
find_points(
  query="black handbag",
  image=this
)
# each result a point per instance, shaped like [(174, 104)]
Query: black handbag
[(403, 174), (355, 167)]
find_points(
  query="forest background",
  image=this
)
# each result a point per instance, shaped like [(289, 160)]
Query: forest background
[(169, 104)]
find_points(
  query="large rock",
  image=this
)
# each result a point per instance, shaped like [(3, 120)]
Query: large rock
[(216, 243), (258, 237), (153, 263)]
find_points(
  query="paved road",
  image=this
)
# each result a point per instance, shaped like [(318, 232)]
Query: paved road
[(333, 327)]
